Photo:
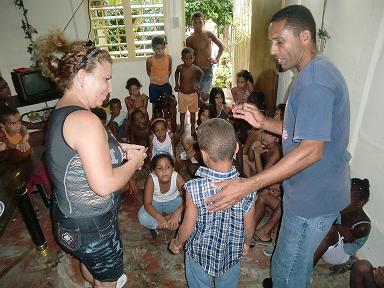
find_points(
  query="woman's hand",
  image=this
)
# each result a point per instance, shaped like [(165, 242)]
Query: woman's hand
[(249, 113), (134, 153)]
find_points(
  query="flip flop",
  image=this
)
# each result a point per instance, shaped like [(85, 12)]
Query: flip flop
[(257, 240)]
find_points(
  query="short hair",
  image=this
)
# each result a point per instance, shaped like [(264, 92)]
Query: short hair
[(197, 14), (217, 137), (114, 101), (298, 18), (158, 40), (361, 187), (157, 157), (133, 81), (187, 50), (6, 111), (100, 113), (246, 75)]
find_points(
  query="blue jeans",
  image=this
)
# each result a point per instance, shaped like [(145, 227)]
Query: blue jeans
[(198, 278), (299, 237), (148, 221)]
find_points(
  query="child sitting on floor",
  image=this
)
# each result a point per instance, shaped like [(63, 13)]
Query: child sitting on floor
[(350, 231), (216, 240), (136, 99), (163, 204), (118, 121), (243, 88), (219, 108), (162, 140), (14, 134)]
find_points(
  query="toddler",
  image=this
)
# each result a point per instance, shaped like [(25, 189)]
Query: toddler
[(118, 121), (163, 204), (140, 128), (162, 139)]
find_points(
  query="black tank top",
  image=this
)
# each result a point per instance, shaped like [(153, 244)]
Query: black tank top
[(71, 189)]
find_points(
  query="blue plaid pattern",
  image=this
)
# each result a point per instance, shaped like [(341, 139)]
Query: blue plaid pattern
[(217, 242)]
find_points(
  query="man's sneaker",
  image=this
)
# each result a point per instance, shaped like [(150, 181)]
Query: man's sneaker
[(268, 250), (121, 281)]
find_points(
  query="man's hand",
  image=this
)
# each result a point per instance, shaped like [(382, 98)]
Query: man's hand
[(249, 113), (232, 192)]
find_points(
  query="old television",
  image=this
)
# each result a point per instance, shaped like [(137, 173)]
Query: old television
[(31, 86)]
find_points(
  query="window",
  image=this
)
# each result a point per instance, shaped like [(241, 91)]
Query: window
[(125, 28)]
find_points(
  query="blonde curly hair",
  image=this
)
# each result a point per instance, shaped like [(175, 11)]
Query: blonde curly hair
[(59, 58)]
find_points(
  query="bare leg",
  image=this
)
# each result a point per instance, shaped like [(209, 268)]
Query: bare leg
[(193, 122), (330, 239), (362, 275), (265, 232)]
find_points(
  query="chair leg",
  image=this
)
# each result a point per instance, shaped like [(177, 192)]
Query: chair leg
[(43, 195)]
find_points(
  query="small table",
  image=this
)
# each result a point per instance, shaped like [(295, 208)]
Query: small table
[(15, 170)]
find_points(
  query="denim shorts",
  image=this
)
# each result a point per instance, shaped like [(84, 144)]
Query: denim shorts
[(95, 241), (206, 83)]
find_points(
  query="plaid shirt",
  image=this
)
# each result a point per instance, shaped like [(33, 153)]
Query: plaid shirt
[(217, 242)]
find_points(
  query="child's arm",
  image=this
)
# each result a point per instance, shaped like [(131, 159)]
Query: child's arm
[(257, 149), (219, 44), (177, 74), (148, 198), (173, 221), (234, 96), (249, 228), (273, 155), (148, 65), (187, 227), (169, 65), (145, 101), (149, 151), (129, 103)]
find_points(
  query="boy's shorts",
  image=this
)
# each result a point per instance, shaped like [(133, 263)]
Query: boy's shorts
[(155, 91), (95, 241), (189, 101), (206, 83)]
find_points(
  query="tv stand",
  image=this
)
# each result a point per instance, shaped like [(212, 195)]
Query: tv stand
[(36, 100)]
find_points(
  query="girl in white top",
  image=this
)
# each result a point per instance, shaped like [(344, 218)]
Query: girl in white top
[(162, 140), (163, 204)]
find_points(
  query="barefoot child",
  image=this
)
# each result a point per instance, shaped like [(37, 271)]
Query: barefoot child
[(162, 140), (163, 204), (185, 78)]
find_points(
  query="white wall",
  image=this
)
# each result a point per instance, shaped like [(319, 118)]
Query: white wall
[(356, 47), (46, 15)]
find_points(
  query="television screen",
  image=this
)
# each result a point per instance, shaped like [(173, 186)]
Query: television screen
[(34, 83), (31, 85)]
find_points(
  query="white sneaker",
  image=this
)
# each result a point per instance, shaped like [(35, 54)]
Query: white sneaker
[(121, 281)]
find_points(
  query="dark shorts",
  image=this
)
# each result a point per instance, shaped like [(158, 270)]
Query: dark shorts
[(155, 91), (95, 241)]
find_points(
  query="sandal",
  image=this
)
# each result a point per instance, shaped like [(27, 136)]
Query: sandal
[(257, 240)]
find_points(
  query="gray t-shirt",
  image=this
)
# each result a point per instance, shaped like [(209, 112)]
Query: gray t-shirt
[(318, 109), (71, 189)]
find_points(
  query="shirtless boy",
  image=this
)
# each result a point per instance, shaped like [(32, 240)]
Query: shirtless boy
[(201, 42), (185, 79)]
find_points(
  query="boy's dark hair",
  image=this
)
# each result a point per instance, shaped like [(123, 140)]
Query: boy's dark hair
[(197, 14), (361, 186), (133, 81), (217, 137), (157, 157), (114, 101), (158, 40), (6, 111), (204, 107), (281, 107), (100, 113), (257, 98), (298, 18), (186, 51), (246, 75)]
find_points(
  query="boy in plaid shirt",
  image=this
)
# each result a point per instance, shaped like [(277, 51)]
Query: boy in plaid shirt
[(216, 240)]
